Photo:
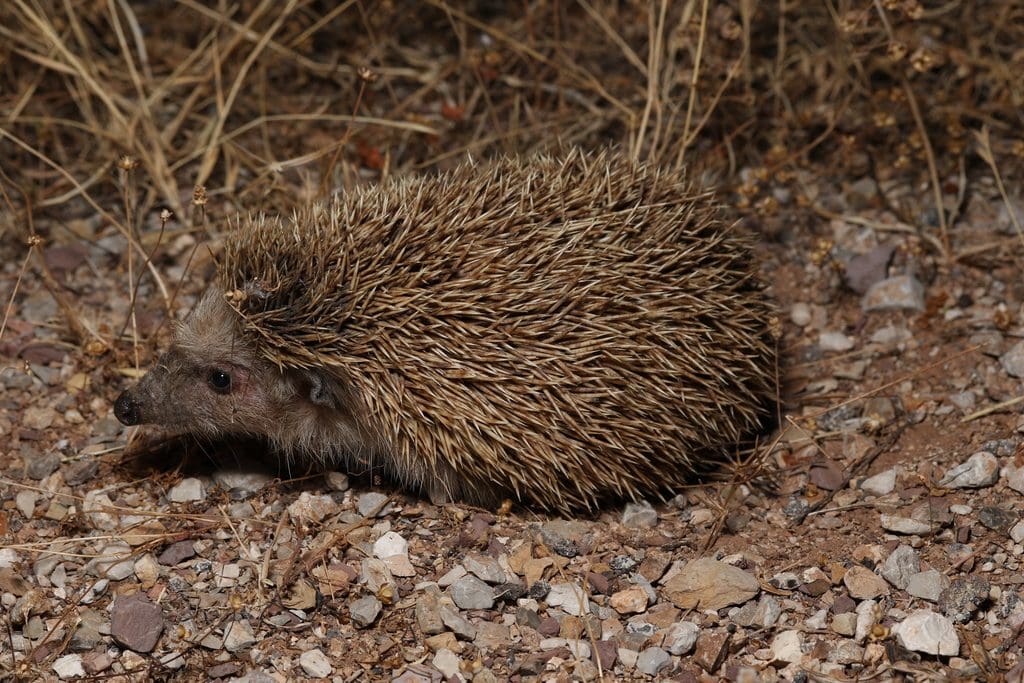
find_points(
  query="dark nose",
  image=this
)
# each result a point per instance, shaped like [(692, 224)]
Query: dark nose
[(126, 409)]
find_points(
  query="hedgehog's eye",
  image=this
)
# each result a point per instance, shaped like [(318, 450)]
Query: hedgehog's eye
[(219, 381)]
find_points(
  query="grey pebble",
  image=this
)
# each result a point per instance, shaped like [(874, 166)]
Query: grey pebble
[(963, 597), (369, 502), (469, 592), (364, 611), (928, 585), (639, 515), (653, 661), (42, 465), (978, 471), (680, 637), (901, 564), (135, 622), (903, 292), (485, 567), (458, 624)]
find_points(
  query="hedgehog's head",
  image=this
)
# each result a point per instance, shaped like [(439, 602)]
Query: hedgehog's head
[(213, 382)]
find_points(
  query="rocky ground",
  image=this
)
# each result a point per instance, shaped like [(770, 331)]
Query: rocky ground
[(879, 535)]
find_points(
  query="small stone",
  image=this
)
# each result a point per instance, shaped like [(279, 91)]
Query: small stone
[(315, 664), (390, 544), (863, 190), (188, 490), (654, 565), (87, 634), (639, 516), (469, 592), (928, 632), (96, 662), (427, 614), (315, 508), (863, 583), (451, 576), (1015, 478), (904, 525), (241, 483), (622, 565), (845, 624), (509, 592), (337, 481), (43, 465), (570, 597), (606, 652), (865, 270), (817, 621), (69, 666), (963, 597), (375, 574), (35, 417), (627, 656), (927, 585), (177, 553), (25, 501), (528, 617), (837, 342), (653, 661), (867, 617), (903, 292), (82, 471), (447, 662), (1017, 532), (224, 670), (1002, 448), (238, 635), (681, 637), (135, 622), (978, 471), (786, 647), (709, 584), (880, 408), (226, 575), (442, 641), (800, 314), (787, 581), (997, 519), (370, 502), (764, 613), (827, 475), (147, 571), (565, 537), (491, 636), (459, 625), (364, 611), (1013, 360), (577, 648), (881, 484), (964, 400), (846, 652), (901, 564), (400, 565), (485, 567), (632, 600), (711, 649)]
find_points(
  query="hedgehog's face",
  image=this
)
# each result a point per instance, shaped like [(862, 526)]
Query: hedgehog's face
[(212, 383)]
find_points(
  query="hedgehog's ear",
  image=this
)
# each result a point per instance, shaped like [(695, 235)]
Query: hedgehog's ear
[(320, 388)]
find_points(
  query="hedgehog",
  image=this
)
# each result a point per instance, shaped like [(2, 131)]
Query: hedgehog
[(557, 330)]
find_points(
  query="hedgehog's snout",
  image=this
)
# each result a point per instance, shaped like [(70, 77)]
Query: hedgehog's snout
[(126, 408)]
